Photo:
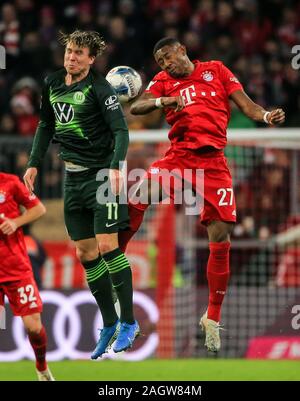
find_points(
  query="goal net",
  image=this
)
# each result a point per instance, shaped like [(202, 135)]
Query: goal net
[(168, 255), (260, 309)]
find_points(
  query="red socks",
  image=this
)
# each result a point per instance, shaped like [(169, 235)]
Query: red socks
[(39, 344), (136, 215), (217, 267), (217, 276)]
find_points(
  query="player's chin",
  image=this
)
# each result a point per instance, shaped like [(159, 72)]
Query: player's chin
[(72, 70), (175, 74)]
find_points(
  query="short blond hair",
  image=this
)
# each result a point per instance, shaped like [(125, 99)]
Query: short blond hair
[(90, 39)]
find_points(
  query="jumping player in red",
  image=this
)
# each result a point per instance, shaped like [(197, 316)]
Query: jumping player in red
[(195, 99), (16, 277)]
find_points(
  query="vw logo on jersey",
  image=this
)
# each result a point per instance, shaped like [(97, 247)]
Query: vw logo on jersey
[(207, 76), (79, 97), (64, 112)]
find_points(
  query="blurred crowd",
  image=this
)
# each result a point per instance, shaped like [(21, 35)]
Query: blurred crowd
[(253, 38)]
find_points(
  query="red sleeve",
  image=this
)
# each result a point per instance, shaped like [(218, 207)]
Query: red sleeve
[(23, 196), (156, 88), (229, 80)]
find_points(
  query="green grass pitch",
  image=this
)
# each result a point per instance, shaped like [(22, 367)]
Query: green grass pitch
[(159, 370)]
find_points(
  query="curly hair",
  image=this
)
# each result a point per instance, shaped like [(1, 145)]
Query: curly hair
[(90, 39)]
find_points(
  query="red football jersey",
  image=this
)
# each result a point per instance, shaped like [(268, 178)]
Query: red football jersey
[(15, 263), (204, 119)]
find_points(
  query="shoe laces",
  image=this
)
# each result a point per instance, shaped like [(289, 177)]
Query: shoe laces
[(218, 327), (125, 326), (214, 326)]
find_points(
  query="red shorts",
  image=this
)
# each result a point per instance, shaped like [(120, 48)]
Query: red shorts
[(218, 201), (23, 296)]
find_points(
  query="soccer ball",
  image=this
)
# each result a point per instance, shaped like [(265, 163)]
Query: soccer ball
[(126, 82)]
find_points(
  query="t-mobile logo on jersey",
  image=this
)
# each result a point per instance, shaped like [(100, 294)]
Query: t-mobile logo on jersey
[(188, 93)]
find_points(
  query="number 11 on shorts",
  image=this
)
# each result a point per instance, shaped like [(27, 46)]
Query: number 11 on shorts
[(112, 210)]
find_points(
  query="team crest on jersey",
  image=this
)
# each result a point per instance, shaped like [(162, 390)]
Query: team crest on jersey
[(207, 76), (2, 196), (64, 112), (79, 97)]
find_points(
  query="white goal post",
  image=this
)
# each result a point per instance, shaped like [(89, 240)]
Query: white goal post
[(287, 138)]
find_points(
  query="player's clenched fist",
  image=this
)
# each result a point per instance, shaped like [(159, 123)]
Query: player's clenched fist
[(8, 226), (174, 102), (276, 116)]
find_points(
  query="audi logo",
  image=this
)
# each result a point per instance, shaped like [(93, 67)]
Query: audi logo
[(66, 313)]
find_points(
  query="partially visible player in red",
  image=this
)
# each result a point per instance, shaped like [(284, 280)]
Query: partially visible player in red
[(195, 96), (16, 277)]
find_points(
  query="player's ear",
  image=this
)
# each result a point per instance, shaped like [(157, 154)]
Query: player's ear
[(183, 49), (92, 59)]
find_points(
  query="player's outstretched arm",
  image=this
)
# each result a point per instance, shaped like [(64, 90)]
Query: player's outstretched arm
[(31, 214), (9, 226), (256, 112), (147, 103)]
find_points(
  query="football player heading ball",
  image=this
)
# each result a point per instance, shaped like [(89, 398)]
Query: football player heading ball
[(81, 112), (126, 82), (195, 96)]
